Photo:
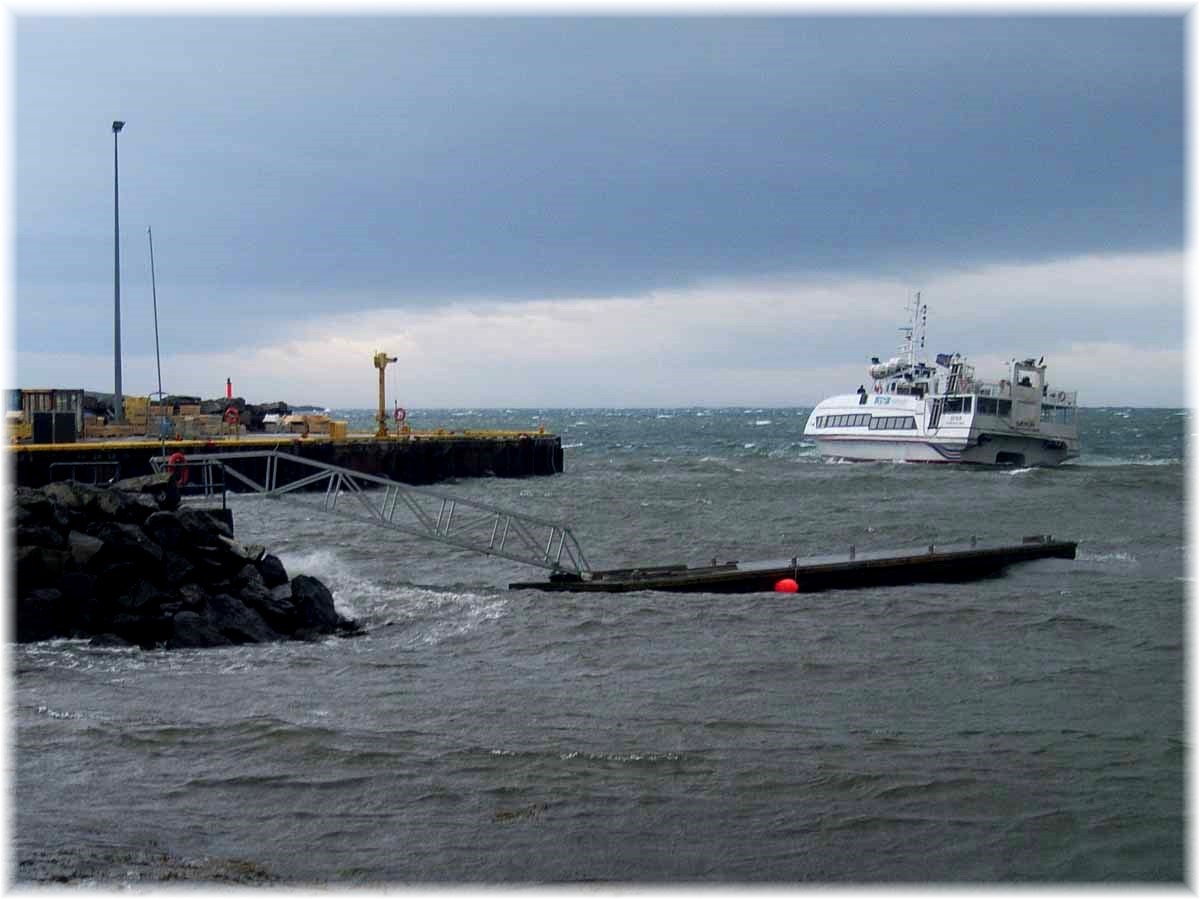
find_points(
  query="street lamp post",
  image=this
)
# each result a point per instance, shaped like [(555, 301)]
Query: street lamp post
[(118, 399)]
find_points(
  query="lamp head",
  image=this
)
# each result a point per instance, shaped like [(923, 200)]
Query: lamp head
[(117, 126)]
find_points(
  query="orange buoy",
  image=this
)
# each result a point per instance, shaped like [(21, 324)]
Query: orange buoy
[(786, 585), (177, 468)]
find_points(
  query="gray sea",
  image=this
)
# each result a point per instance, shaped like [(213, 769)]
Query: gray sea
[(1024, 729)]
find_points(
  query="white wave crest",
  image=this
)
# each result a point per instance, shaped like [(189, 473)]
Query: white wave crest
[(1121, 557)]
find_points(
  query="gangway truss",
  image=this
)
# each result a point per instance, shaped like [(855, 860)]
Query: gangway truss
[(416, 511)]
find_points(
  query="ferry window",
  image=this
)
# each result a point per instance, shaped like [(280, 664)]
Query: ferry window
[(875, 423), (987, 406), (1005, 408), (863, 421), (966, 404), (910, 424), (1047, 413), (953, 404)]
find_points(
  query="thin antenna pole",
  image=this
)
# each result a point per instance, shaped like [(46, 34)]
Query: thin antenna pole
[(118, 400), (154, 296), (162, 436)]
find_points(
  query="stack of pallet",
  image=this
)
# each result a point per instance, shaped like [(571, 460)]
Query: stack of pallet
[(135, 412)]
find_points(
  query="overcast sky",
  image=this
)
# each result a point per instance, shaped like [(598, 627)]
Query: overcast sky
[(579, 211)]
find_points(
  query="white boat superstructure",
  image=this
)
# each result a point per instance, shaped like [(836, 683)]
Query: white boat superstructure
[(916, 412)]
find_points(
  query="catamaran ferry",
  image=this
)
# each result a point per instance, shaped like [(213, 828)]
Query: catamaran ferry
[(915, 412)]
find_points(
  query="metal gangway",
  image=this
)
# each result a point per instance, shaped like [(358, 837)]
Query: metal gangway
[(417, 511)]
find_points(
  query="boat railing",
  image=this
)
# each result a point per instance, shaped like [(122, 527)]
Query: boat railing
[(1061, 397), (1003, 390)]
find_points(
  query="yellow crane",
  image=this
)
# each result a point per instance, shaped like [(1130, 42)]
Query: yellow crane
[(381, 362)]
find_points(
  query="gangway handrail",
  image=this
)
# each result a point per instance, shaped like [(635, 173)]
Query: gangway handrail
[(478, 526)]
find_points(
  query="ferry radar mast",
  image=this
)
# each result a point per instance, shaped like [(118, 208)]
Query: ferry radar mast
[(914, 332)]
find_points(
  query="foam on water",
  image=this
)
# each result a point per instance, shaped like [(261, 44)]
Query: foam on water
[(1122, 557)]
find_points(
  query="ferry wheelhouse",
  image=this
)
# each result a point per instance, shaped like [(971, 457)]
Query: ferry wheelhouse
[(916, 412)]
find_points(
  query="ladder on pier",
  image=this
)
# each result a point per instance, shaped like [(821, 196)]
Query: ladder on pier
[(417, 511)]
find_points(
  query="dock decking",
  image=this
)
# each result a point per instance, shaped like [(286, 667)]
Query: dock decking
[(862, 568)]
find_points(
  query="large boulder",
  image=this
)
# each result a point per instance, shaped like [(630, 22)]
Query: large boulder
[(165, 529), (161, 488), (237, 622), (80, 608), (133, 508), (39, 566), (83, 547), (140, 597), (314, 604), (38, 615), (71, 495), (39, 535), (126, 543), (193, 630), (176, 569), (272, 571), (34, 507), (202, 525)]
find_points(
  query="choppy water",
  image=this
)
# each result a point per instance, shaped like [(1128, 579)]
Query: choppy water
[(1023, 728)]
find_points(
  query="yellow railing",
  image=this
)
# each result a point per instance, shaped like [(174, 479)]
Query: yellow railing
[(278, 439)]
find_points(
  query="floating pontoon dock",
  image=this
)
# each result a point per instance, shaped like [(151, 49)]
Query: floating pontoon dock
[(954, 562)]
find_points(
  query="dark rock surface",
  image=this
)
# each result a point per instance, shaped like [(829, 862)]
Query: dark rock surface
[(126, 564)]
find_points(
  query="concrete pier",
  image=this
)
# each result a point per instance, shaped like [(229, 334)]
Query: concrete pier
[(417, 458)]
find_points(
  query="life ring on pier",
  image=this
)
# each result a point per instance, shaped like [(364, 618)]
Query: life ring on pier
[(400, 414), (177, 468), (231, 416)]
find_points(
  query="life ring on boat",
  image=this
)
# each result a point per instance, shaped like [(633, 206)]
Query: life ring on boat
[(177, 468), (400, 414), (878, 389), (231, 416)]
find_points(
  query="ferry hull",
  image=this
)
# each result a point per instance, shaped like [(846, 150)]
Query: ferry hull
[(994, 450)]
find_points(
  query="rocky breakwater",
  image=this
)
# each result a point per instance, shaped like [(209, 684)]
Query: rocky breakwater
[(127, 564)]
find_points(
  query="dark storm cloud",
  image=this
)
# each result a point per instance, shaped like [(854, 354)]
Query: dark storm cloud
[(409, 160)]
